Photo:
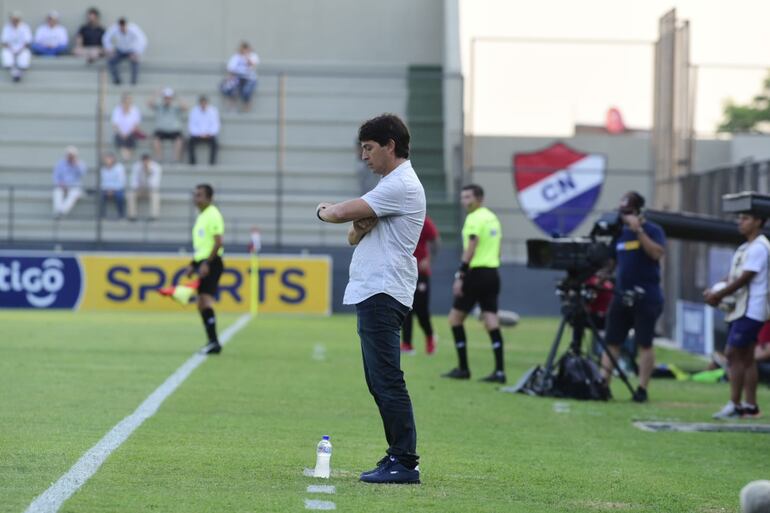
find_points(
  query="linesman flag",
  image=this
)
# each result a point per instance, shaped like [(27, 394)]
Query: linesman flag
[(181, 293)]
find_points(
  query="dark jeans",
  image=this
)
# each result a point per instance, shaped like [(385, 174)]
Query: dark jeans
[(119, 197), (114, 62), (379, 325), (420, 308), (211, 141)]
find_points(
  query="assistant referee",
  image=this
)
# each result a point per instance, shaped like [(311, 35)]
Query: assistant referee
[(477, 281), (207, 260)]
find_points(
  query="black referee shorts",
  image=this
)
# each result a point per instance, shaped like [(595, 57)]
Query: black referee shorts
[(481, 285), (210, 283)]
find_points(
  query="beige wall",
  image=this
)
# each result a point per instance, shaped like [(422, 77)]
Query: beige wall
[(396, 32)]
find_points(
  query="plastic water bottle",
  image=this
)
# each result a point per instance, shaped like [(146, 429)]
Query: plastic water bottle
[(323, 458)]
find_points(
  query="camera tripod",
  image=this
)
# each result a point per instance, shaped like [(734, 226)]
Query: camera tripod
[(574, 294)]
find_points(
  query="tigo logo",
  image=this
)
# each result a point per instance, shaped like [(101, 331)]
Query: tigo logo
[(39, 282)]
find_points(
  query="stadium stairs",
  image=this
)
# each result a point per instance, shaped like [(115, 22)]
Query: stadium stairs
[(56, 106)]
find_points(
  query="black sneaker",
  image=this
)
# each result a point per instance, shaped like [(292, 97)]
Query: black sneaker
[(392, 472), (750, 411), (640, 396), (457, 373), (211, 348), (495, 377), (380, 464)]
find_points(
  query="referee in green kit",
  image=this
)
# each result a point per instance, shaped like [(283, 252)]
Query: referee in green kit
[(477, 281), (207, 260)]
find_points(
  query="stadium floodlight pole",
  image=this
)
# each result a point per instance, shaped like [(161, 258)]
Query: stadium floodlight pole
[(254, 247), (101, 87)]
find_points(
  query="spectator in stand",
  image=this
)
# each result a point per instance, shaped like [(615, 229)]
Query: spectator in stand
[(168, 123), (67, 178), (203, 127), (124, 40), (145, 182), (113, 185), (16, 38), (88, 41), (125, 123), (241, 80), (51, 37)]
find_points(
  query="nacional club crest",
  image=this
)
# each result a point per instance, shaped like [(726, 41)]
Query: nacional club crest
[(558, 187)]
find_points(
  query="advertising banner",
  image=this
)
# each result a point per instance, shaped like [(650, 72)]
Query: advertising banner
[(286, 284)]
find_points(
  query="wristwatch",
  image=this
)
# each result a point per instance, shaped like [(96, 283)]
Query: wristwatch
[(459, 275)]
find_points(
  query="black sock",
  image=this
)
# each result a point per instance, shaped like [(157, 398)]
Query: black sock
[(462, 352), (210, 323), (497, 348)]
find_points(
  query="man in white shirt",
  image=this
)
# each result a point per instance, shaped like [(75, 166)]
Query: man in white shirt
[(145, 181), (51, 37), (242, 76), (124, 40), (748, 283), (203, 127), (15, 39), (125, 120), (387, 222)]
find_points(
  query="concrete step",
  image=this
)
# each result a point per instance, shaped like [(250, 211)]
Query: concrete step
[(29, 127), (309, 154)]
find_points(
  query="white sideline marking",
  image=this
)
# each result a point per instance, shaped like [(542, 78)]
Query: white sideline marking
[(51, 500), (561, 407), (311, 504), (321, 489)]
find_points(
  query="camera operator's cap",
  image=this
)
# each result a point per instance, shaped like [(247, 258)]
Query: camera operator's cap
[(168, 92)]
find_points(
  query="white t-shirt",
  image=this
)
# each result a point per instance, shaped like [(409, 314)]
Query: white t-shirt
[(244, 67), (126, 121), (383, 262), (145, 179), (756, 261), (52, 37), (16, 37)]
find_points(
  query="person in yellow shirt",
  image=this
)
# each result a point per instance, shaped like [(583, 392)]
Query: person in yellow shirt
[(207, 260), (477, 281)]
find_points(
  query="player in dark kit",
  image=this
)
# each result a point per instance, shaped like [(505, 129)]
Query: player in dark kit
[(426, 248), (207, 260)]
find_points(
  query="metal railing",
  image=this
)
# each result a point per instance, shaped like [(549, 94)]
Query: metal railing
[(279, 102)]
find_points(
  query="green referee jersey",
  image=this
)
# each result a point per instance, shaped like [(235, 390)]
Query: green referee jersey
[(208, 225), (483, 223)]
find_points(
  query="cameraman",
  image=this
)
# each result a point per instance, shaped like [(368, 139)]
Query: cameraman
[(638, 300)]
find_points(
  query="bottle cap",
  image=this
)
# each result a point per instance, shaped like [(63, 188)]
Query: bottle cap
[(325, 437)]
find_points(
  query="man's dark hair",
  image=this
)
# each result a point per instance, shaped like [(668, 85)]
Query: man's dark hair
[(762, 219), (94, 10), (209, 190), (636, 200), (384, 128), (121, 21), (477, 191)]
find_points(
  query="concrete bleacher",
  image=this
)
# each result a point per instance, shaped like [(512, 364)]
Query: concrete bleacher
[(56, 105)]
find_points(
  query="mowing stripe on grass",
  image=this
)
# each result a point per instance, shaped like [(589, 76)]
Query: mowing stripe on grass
[(321, 489), (313, 504), (51, 500)]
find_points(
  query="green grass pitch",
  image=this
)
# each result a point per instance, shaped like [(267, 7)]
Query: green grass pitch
[(237, 434)]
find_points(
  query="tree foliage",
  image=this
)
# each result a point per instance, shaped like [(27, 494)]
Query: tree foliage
[(748, 118)]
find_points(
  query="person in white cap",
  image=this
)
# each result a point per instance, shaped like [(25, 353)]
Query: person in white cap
[(67, 178), (168, 123), (51, 37), (15, 39)]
